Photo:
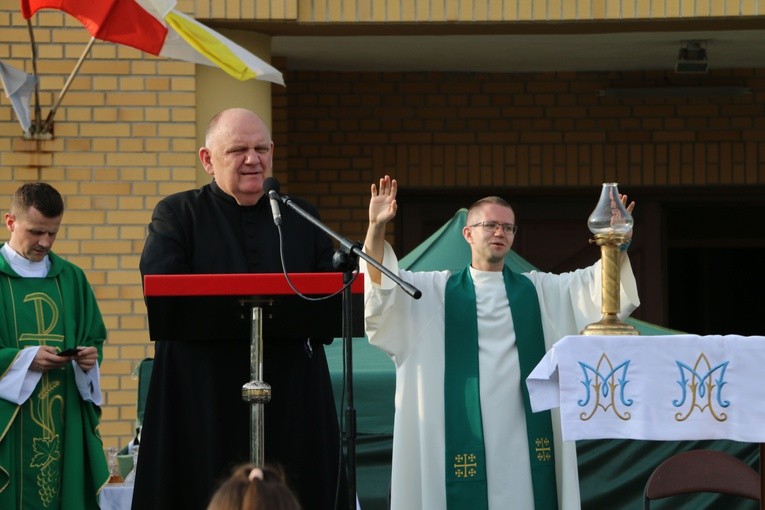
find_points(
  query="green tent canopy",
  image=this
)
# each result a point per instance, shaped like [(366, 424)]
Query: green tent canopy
[(612, 473)]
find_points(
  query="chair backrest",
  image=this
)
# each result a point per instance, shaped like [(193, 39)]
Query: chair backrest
[(702, 471)]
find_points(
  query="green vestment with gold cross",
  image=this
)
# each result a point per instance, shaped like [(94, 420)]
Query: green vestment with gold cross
[(51, 453)]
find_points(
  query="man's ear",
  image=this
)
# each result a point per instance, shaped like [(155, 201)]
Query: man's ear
[(10, 220), (467, 233), (206, 159)]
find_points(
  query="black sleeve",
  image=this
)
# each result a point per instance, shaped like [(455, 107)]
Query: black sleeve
[(165, 250)]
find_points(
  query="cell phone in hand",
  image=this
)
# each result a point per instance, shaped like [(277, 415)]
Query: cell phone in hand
[(70, 352)]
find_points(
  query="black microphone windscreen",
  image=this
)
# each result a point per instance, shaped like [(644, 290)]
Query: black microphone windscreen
[(270, 184)]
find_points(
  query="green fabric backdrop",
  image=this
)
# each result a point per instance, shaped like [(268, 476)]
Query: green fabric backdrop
[(612, 473)]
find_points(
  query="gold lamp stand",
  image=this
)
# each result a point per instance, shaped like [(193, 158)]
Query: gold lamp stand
[(609, 324)]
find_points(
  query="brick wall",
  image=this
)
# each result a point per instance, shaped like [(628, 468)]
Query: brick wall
[(482, 131)]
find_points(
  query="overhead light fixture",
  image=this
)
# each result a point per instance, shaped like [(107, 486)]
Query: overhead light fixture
[(692, 57)]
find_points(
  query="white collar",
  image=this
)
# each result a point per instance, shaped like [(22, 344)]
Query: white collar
[(25, 267), (481, 277)]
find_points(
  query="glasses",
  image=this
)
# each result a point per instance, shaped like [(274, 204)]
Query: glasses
[(492, 226)]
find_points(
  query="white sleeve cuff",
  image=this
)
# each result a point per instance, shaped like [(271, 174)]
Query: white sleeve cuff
[(88, 383), (19, 382)]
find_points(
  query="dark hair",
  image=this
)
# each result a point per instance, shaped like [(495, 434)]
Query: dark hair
[(251, 487), (42, 196)]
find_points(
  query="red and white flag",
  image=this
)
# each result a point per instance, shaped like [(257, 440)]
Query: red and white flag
[(118, 21), (154, 26)]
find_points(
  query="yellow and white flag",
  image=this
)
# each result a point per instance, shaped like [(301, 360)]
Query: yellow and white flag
[(191, 41)]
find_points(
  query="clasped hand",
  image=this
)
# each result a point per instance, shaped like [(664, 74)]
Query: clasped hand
[(47, 359)]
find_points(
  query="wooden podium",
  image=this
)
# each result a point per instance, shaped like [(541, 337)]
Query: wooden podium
[(250, 307)]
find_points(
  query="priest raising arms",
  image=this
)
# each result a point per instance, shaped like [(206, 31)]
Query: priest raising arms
[(460, 441)]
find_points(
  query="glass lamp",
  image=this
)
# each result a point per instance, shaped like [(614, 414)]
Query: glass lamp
[(611, 225)]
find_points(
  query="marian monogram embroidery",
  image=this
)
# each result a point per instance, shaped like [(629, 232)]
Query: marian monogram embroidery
[(701, 386), (605, 388), (657, 388)]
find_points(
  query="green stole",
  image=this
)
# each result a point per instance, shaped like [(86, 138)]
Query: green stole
[(465, 450)]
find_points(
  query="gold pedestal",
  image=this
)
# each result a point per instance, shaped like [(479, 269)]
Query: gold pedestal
[(609, 327), (610, 324)]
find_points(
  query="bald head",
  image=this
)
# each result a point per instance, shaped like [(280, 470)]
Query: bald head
[(232, 117), (238, 153)]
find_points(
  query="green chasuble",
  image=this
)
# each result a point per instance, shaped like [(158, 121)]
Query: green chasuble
[(465, 450), (51, 453)]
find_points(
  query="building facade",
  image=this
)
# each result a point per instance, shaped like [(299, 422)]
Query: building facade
[(538, 101)]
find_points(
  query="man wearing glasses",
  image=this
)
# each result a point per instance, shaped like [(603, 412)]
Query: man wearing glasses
[(464, 435)]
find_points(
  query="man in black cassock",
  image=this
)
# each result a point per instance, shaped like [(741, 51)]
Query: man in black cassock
[(196, 425)]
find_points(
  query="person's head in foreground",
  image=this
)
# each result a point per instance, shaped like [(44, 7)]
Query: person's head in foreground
[(251, 487)]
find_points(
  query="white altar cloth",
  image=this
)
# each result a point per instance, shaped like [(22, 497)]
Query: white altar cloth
[(667, 388), (116, 496)]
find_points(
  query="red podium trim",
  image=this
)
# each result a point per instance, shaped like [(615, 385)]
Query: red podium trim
[(249, 284)]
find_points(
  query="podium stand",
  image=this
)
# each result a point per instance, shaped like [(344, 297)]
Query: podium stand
[(659, 388), (250, 307), (180, 307)]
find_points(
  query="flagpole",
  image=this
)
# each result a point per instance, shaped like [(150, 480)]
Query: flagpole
[(38, 112), (49, 120)]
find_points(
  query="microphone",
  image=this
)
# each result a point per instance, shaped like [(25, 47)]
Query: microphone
[(271, 187)]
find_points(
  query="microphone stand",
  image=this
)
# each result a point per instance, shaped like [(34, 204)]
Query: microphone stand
[(346, 260)]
